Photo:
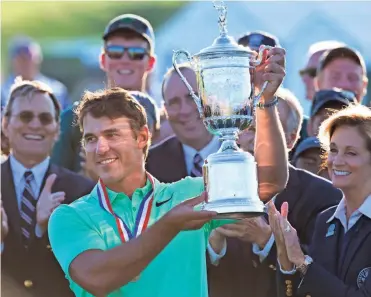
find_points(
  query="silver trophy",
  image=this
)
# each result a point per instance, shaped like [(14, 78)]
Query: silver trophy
[(226, 104)]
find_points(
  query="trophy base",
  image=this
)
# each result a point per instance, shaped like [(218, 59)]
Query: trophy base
[(236, 208)]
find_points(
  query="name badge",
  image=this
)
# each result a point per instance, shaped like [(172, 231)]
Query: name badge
[(330, 230)]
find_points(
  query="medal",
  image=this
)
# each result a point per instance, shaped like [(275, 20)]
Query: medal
[(142, 219)]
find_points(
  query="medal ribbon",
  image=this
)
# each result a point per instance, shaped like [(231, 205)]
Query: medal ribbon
[(144, 212)]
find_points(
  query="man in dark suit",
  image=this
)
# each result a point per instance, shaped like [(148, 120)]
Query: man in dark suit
[(183, 154), (31, 189), (248, 268)]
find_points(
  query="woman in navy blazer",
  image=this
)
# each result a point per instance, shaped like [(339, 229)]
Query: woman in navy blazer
[(338, 263)]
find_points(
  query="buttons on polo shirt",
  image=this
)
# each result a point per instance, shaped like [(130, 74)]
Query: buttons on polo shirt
[(134, 208)]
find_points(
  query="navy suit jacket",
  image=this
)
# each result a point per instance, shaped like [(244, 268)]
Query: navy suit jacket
[(239, 273), (37, 264), (328, 275)]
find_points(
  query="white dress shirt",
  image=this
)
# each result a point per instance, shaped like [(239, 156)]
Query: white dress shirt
[(341, 213), (189, 152), (18, 171)]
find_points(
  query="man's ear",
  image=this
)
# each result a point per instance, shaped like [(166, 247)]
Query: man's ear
[(151, 63), (317, 82), (143, 137), (4, 125), (102, 61), (365, 85), (57, 133), (291, 139)]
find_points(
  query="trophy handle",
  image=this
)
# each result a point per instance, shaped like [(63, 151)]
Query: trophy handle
[(197, 100), (256, 63)]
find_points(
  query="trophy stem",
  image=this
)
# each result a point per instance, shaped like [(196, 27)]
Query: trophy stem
[(229, 143)]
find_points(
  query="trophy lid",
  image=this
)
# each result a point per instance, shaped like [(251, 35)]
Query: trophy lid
[(224, 44)]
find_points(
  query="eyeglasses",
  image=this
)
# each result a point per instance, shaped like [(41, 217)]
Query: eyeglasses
[(26, 117), (117, 51), (312, 72)]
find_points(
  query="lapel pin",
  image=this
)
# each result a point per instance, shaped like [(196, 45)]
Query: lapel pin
[(330, 230)]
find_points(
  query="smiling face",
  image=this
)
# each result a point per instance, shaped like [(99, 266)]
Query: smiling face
[(31, 127), (125, 72), (182, 111), (113, 148), (349, 159)]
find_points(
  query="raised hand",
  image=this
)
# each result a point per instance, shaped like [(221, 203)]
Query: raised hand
[(272, 69), (47, 202), (293, 249), (275, 220), (185, 217)]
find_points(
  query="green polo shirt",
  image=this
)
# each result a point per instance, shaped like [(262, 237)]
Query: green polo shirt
[(179, 270)]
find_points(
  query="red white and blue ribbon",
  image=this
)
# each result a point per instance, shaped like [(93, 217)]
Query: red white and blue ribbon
[(143, 215)]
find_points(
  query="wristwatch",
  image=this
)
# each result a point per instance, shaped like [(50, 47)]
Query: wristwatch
[(304, 267), (261, 105)]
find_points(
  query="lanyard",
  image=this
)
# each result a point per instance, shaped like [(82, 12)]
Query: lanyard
[(142, 219)]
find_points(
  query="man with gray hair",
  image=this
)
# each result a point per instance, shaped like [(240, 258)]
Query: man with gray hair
[(248, 266)]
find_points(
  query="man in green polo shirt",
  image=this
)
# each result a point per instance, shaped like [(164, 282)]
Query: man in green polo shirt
[(134, 236)]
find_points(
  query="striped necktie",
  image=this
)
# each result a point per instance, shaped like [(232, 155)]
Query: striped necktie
[(197, 166), (28, 209)]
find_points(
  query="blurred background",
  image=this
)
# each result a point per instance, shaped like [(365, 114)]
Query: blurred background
[(70, 33)]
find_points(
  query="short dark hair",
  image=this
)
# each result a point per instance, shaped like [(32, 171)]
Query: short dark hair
[(25, 88), (113, 103)]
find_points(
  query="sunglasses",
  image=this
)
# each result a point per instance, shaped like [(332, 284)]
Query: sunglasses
[(116, 52), (312, 72), (26, 117)]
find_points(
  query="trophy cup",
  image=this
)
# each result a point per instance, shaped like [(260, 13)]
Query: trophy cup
[(226, 104)]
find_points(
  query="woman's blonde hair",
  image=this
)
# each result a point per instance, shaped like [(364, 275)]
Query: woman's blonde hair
[(357, 116)]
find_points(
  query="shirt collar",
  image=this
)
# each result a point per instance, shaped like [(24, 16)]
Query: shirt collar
[(340, 211), (210, 148), (112, 195), (38, 170)]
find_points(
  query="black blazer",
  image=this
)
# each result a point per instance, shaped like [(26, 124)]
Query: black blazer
[(239, 273), (37, 266), (166, 161), (330, 274)]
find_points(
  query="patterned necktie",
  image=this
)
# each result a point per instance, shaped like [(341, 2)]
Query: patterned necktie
[(28, 209), (197, 166)]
